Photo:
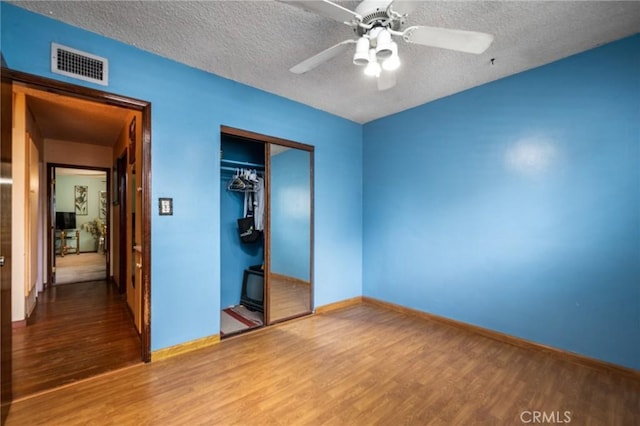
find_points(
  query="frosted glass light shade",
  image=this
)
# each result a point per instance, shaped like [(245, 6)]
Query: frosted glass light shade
[(373, 68), (383, 44), (392, 63), (361, 57)]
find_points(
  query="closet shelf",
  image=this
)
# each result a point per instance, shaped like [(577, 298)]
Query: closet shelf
[(238, 164)]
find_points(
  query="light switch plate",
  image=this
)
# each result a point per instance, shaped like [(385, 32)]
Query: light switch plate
[(165, 206)]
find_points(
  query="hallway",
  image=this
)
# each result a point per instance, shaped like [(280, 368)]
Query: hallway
[(76, 331)]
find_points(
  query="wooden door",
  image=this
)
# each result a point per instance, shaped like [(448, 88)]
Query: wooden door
[(136, 237), (51, 196), (6, 124), (123, 249)]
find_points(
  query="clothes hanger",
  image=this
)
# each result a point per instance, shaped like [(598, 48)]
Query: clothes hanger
[(236, 183)]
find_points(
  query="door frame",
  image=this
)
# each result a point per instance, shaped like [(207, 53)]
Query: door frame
[(50, 214), (6, 341), (144, 107)]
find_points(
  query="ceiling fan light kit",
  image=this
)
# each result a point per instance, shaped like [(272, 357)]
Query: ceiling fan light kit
[(361, 56), (373, 67), (392, 63), (375, 22), (383, 44)]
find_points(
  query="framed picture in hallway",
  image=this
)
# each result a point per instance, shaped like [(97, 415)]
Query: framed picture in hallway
[(132, 141), (118, 182), (102, 212), (81, 200)]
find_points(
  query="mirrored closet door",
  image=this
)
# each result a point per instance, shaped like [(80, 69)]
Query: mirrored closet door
[(268, 279), (290, 236)]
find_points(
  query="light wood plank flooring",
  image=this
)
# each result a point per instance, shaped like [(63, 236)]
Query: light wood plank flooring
[(76, 331), (362, 365)]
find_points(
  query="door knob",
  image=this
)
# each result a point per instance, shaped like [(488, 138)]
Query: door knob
[(1, 261)]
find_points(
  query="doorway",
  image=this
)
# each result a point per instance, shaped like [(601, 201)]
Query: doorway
[(28, 85), (79, 242)]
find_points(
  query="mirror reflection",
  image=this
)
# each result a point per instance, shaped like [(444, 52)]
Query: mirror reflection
[(290, 238)]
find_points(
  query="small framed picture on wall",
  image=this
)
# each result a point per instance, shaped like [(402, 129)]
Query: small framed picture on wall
[(102, 212), (132, 141), (119, 176), (81, 196)]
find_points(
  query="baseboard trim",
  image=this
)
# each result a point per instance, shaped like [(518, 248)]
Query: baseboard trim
[(19, 323), (511, 340), (183, 348), (339, 305)]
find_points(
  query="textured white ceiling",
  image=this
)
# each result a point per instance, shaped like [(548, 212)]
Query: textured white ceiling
[(256, 42)]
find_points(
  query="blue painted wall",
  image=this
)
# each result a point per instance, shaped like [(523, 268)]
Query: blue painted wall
[(516, 205), (290, 213), (236, 256), (188, 107)]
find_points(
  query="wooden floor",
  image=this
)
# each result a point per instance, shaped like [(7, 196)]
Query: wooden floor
[(362, 365), (76, 331)]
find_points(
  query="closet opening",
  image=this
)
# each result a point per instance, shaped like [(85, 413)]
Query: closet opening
[(242, 172), (266, 230)]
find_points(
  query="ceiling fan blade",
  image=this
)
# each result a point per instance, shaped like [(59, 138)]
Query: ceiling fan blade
[(386, 80), (402, 7), (326, 9), (325, 55), (460, 40)]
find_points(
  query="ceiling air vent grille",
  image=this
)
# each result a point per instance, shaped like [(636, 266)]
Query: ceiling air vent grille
[(80, 65)]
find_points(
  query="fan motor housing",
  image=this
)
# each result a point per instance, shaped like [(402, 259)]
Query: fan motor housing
[(374, 12)]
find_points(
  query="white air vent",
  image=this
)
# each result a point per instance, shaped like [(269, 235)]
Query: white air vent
[(77, 64)]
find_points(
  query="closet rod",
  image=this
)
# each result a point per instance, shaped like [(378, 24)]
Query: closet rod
[(243, 164), (235, 169)]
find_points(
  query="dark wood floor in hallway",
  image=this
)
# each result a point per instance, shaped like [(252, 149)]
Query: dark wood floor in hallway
[(363, 365), (76, 331)]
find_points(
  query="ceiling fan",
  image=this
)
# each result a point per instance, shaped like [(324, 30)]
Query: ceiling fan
[(376, 22)]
